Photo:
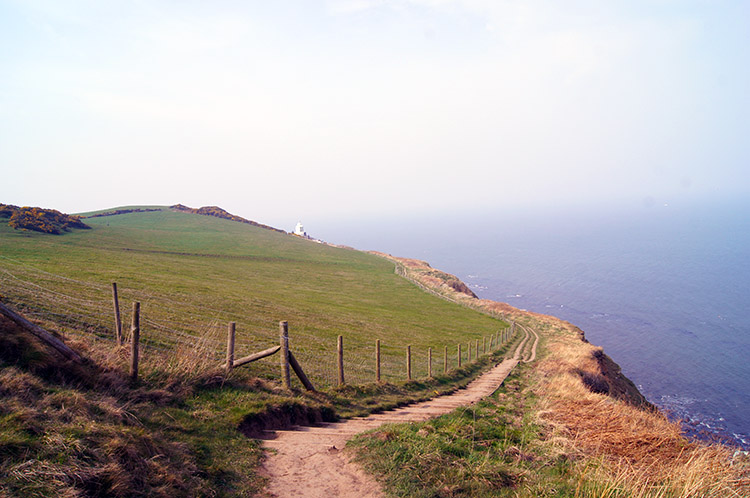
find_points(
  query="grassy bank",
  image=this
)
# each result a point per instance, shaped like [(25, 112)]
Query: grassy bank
[(72, 430)]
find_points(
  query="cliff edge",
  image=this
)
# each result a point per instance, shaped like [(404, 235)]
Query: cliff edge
[(597, 371)]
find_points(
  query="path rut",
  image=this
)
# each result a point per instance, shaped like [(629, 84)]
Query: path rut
[(532, 356), (310, 461)]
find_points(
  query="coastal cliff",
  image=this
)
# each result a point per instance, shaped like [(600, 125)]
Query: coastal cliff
[(597, 371)]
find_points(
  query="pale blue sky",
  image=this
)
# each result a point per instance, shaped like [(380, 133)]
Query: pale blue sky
[(310, 110)]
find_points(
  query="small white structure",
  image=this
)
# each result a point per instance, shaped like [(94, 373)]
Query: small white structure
[(299, 229)]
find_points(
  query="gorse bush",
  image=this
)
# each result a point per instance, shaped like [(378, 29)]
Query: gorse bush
[(40, 220)]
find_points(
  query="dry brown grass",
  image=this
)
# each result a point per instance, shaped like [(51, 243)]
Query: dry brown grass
[(70, 430), (188, 361), (624, 448), (183, 362), (438, 281)]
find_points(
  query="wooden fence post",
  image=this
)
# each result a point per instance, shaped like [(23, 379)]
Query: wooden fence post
[(230, 345), (300, 373), (135, 336), (118, 321), (41, 334), (476, 350), (484, 344), (429, 362), (340, 362), (445, 359), (408, 362), (284, 343), (469, 358), (459, 356), (255, 356), (377, 360)]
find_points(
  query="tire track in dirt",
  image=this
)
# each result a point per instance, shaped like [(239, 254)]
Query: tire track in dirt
[(310, 461), (522, 345), (532, 355)]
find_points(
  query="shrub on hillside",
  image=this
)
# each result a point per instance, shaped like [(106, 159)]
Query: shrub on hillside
[(40, 220)]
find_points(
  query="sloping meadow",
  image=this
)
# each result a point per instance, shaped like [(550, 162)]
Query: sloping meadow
[(194, 274)]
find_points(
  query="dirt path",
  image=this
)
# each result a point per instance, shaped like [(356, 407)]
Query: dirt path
[(532, 356), (309, 461)]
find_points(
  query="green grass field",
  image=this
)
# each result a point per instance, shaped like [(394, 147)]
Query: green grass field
[(193, 274)]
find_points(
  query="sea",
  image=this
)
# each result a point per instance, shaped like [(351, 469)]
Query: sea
[(663, 288)]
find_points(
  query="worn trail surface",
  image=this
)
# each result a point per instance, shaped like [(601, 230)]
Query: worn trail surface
[(310, 461), (532, 356)]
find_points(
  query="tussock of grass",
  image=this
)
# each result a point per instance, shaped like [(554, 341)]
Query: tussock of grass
[(75, 432)]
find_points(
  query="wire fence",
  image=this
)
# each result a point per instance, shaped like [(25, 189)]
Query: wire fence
[(181, 334)]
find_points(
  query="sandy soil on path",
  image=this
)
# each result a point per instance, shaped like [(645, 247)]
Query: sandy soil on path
[(311, 461)]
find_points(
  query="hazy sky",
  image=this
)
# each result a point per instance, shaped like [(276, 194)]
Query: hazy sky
[(286, 110)]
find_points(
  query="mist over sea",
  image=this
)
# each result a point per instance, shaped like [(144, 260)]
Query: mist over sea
[(664, 289)]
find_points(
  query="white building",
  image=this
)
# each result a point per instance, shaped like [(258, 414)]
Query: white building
[(299, 229)]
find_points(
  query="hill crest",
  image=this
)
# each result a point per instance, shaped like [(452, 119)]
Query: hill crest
[(221, 213)]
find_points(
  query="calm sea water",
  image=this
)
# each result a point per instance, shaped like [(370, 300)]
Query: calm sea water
[(665, 290)]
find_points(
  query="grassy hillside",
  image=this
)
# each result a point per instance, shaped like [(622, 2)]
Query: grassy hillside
[(193, 274), (180, 431)]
